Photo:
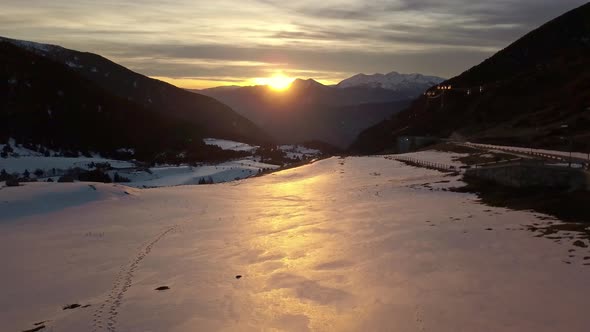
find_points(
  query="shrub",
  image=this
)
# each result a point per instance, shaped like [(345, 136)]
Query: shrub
[(7, 148), (65, 178), (118, 178), (4, 175), (70, 154), (103, 166), (208, 180), (95, 176), (12, 182)]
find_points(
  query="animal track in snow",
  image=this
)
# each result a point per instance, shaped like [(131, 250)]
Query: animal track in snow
[(419, 320), (105, 316)]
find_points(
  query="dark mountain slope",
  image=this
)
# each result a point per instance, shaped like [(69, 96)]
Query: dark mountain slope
[(255, 102), (335, 125), (536, 92), (309, 110), (214, 118), (44, 102)]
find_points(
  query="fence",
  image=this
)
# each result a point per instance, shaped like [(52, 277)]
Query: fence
[(426, 164), (532, 153)]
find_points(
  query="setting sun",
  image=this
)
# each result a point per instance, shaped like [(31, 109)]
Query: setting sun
[(277, 82)]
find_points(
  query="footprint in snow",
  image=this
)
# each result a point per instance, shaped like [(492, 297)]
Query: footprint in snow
[(71, 306)]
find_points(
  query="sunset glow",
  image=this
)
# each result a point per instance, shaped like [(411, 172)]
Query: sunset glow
[(277, 82), (228, 46)]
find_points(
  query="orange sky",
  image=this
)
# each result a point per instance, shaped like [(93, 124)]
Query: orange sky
[(199, 44), (196, 83)]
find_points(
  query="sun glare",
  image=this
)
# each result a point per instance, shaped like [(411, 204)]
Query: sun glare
[(277, 82)]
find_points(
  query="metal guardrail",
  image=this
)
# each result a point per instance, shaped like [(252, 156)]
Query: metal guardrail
[(427, 164), (533, 153), (497, 163)]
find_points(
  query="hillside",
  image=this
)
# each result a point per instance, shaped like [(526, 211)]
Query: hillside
[(309, 110), (535, 92), (94, 104)]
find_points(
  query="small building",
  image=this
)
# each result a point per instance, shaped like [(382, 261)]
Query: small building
[(407, 144)]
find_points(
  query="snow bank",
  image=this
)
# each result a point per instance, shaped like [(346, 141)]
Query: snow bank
[(40, 198)]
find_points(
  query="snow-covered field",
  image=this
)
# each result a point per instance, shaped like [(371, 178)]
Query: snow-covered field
[(47, 164), (355, 244), (157, 177), (230, 145), (298, 151), (22, 159), (188, 175)]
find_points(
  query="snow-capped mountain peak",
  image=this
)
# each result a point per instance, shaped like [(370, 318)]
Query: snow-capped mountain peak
[(391, 81), (39, 48)]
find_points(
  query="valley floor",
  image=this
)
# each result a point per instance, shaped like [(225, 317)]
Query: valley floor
[(351, 244)]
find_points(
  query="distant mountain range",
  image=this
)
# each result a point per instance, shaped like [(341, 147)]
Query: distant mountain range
[(410, 84), (310, 110), (535, 92), (66, 99)]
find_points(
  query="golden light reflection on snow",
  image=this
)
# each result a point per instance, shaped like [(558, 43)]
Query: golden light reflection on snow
[(292, 245)]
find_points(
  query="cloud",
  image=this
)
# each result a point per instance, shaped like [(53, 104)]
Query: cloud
[(235, 40)]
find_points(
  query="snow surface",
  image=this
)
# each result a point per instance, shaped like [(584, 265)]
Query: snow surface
[(391, 81), (355, 244), (229, 145), (39, 48)]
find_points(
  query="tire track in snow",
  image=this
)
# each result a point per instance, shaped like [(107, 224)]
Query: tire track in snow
[(105, 317)]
